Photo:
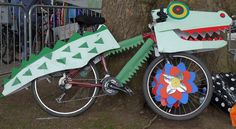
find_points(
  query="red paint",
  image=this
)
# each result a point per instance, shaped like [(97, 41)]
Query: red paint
[(201, 30), (73, 73), (178, 9), (176, 105), (222, 15), (83, 84), (150, 35)]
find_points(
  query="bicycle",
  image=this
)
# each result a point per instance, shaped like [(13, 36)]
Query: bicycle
[(176, 84)]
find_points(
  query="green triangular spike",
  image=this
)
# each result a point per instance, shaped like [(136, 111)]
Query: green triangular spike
[(32, 58), (43, 66), (49, 56), (62, 60), (84, 45), (1, 95), (87, 33), (16, 82), (28, 73), (74, 37), (67, 49), (94, 50), (14, 71), (100, 41), (59, 44), (23, 63), (77, 56), (45, 51), (5, 81)]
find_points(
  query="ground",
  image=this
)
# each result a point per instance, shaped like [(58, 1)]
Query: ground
[(20, 111)]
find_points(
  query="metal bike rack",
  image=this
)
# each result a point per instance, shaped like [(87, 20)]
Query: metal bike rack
[(13, 35), (231, 45), (27, 39), (43, 24)]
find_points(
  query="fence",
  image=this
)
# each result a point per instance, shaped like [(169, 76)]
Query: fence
[(12, 35), (54, 23), (46, 25)]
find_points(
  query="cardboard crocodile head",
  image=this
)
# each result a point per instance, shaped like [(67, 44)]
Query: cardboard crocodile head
[(190, 30)]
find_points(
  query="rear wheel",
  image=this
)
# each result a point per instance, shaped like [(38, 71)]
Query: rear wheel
[(66, 100), (178, 87)]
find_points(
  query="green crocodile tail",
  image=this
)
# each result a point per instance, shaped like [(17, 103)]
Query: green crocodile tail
[(75, 53), (136, 62)]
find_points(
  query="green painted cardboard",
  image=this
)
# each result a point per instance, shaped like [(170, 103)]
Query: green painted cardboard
[(74, 54)]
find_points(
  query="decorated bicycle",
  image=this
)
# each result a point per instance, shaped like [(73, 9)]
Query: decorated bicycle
[(176, 84)]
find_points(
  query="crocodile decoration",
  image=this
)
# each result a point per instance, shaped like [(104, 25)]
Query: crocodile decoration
[(186, 30), (76, 53), (182, 30)]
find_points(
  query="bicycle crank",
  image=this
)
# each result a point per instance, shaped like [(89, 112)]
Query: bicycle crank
[(111, 86)]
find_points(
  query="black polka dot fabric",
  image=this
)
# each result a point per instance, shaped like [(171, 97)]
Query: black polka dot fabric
[(224, 95)]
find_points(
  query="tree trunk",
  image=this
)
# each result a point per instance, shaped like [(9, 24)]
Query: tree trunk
[(127, 18)]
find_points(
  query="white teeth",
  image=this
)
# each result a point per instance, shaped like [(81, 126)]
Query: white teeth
[(210, 33), (185, 35), (203, 34), (182, 34), (195, 35), (218, 32)]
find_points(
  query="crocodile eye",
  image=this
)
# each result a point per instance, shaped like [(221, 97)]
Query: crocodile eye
[(222, 15), (178, 10)]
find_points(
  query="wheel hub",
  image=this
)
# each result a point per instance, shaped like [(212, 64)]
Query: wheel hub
[(63, 82)]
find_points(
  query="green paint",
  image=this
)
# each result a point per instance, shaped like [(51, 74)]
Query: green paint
[(135, 62), (58, 45), (62, 60), (84, 45), (19, 75), (1, 95), (14, 71), (77, 56), (44, 52), (100, 41), (67, 49), (27, 73), (43, 66), (6, 80), (16, 82), (74, 37), (127, 44), (49, 56), (176, 2), (94, 50), (87, 33), (23, 64)]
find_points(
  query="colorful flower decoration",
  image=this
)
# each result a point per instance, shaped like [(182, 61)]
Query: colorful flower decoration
[(172, 85)]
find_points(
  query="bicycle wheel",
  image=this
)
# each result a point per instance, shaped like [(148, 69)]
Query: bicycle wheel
[(66, 101), (178, 87)]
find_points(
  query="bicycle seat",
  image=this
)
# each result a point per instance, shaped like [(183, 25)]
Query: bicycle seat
[(89, 20)]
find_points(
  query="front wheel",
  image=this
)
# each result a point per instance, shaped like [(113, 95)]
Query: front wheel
[(65, 100), (178, 86)]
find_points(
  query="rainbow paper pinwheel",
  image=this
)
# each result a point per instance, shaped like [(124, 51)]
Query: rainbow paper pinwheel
[(172, 85)]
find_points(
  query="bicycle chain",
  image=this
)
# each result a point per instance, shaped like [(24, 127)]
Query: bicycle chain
[(102, 95)]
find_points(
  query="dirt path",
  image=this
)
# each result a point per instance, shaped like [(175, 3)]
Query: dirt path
[(19, 111)]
